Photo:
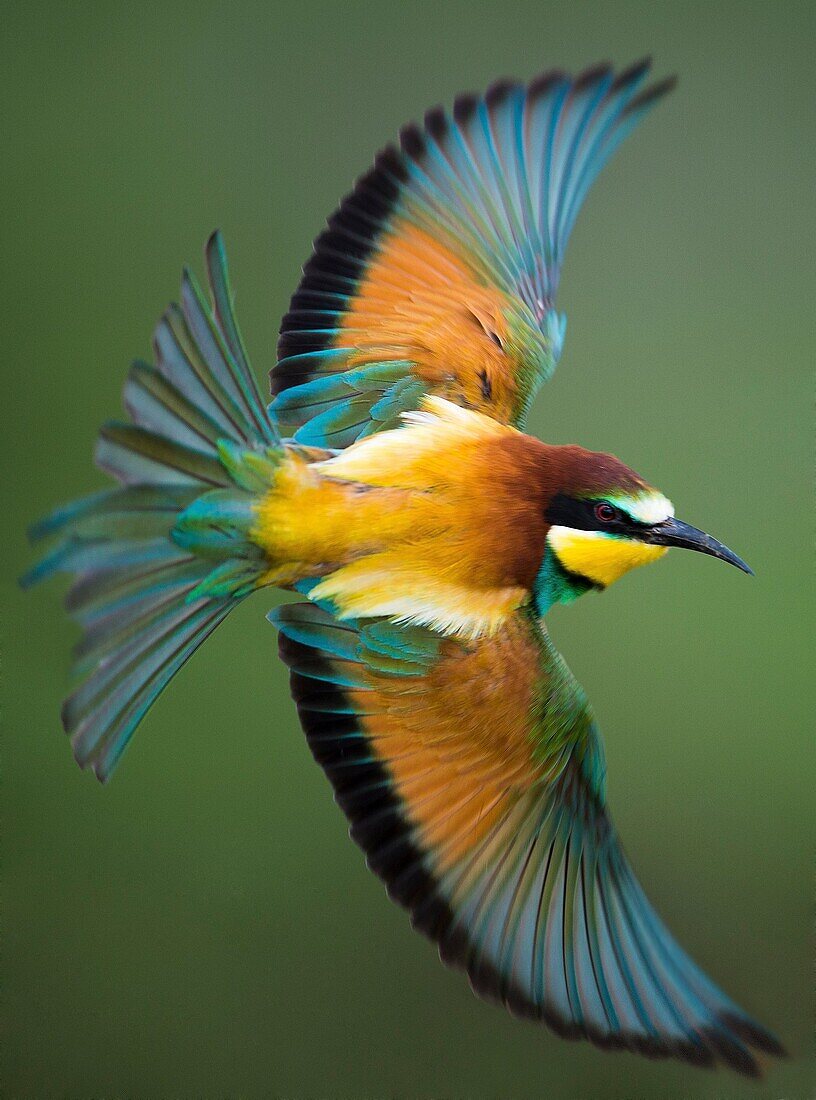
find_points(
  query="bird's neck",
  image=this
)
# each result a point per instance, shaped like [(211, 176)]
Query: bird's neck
[(554, 584)]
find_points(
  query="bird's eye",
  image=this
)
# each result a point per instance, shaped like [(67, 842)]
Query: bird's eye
[(605, 513)]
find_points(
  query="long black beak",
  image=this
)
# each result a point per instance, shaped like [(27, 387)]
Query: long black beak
[(673, 532)]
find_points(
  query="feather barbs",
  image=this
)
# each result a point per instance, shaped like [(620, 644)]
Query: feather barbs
[(412, 524)]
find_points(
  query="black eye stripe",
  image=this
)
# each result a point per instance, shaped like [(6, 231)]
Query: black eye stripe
[(582, 515), (570, 512)]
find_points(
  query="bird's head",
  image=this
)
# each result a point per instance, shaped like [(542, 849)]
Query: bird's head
[(603, 520)]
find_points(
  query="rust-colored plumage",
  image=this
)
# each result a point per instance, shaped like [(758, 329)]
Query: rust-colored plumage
[(455, 741), (420, 302), (453, 497), (391, 485)]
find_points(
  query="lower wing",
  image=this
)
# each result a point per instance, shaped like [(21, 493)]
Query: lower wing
[(473, 778)]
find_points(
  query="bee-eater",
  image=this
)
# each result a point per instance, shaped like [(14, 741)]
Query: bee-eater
[(390, 483)]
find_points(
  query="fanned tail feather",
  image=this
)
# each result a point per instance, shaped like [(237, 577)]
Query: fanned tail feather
[(160, 562)]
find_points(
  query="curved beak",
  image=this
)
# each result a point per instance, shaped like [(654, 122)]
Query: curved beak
[(673, 532)]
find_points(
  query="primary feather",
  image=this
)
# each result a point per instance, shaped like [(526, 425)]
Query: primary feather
[(389, 485), (439, 272), (473, 778)]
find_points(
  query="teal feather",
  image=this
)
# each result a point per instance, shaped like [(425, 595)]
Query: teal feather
[(329, 409), (100, 734), (338, 425), (134, 604), (312, 396), (309, 625), (397, 650), (391, 665), (138, 617), (136, 456), (126, 661), (155, 403), (376, 376), (217, 525), (380, 646), (213, 348), (403, 396), (180, 361), (252, 470), (415, 643), (227, 326), (98, 556), (544, 911), (555, 585), (230, 580), (499, 181), (159, 563), (304, 587), (110, 503), (97, 593)]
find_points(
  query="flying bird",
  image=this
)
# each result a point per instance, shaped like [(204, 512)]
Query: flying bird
[(390, 484)]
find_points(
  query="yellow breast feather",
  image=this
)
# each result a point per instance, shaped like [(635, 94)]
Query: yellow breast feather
[(394, 527), (414, 587)]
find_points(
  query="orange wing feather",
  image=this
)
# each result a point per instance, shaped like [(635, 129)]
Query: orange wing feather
[(438, 273), (457, 744), (474, 780), (420, 302)]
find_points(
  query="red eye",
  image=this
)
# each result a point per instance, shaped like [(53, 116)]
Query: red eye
[(605, 512)]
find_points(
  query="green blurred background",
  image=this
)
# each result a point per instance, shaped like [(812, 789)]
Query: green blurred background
[(203, 927)]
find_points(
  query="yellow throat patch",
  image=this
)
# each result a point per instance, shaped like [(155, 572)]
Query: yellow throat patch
[(599, 557)]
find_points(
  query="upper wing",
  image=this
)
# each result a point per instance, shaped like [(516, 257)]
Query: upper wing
[(473, 778), (438, 273)]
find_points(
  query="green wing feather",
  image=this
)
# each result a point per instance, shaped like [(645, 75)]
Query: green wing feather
[(497, 183), (543, 910)]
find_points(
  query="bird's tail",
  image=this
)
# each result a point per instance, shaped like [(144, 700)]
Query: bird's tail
[(161, 560)]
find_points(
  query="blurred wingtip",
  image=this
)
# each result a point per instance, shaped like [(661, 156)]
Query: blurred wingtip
[(653, 93), (759, 1037), (215, 243)]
